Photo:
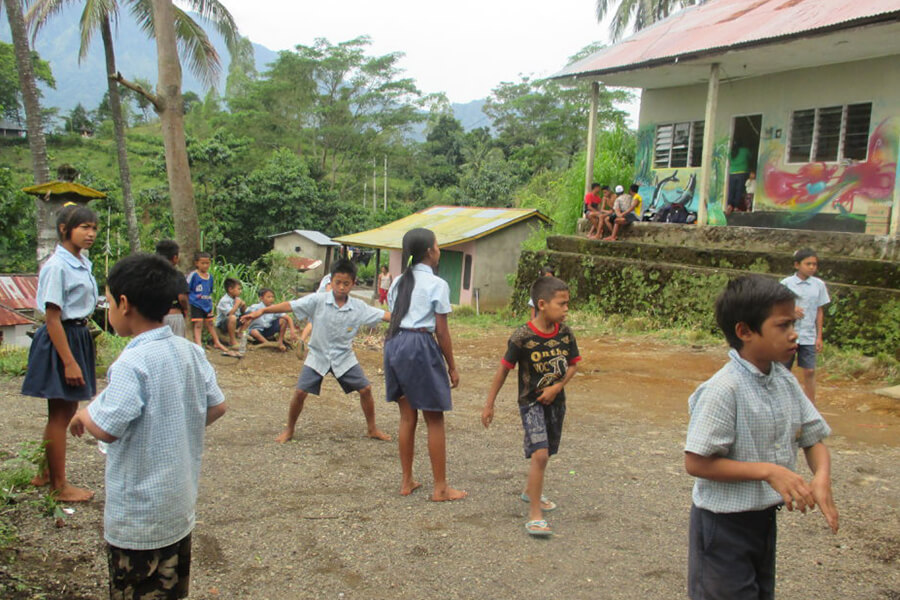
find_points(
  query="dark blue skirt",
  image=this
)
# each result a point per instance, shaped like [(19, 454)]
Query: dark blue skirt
[(46, 375), (414, 367)]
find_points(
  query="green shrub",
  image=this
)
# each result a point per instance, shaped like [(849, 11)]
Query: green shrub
[(13, 360)]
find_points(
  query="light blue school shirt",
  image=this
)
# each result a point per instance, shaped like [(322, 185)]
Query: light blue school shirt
[(430, 295), (226, 303), (743, 414), (331, 344), (155, 403), (265, 320), (66, 281), (811, 294)]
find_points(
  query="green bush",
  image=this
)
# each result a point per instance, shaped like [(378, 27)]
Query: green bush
[(13, 360)]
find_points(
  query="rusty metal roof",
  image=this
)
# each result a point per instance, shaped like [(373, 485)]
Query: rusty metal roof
[(451, 224), (304, 264), (18, 291), (722, 26), (9, 318)]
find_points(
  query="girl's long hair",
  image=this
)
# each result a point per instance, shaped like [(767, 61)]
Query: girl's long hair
[(416, 243)]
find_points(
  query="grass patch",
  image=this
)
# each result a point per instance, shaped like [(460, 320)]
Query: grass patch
[(16, 473), (13, 361), (109, 346), (846, 363)]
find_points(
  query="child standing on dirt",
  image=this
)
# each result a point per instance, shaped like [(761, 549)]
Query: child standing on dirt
[(746, 424), (200, 284), (338, 317), (162, 394), (418, 343), (61, 361), (546, 354), (229, 310), (812, 296)]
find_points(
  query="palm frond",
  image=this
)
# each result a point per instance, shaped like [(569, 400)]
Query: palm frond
[(92, 17), (201, 56), (216, 13)]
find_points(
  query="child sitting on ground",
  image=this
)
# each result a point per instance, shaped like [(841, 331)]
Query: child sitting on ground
[(546, 354), (266, 325), (229, 310), (337, 317), (200, 283), (746, 424), (162, 394)]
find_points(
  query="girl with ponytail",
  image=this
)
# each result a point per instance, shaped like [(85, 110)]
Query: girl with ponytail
[(418, 344)]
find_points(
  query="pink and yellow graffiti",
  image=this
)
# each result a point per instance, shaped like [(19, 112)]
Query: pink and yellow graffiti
[(816, 185)]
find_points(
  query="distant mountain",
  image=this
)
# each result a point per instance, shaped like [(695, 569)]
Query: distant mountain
[(85, 83), (471, 115)]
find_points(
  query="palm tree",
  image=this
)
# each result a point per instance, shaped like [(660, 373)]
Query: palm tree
[(637, 13), (46, 229), (203, 59)]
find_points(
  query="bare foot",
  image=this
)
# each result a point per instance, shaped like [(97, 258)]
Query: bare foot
[(448, 494), (379, 435), (70, 493), (406, 490), (285, 436), (609, 239), (282, 348), (41, 479)]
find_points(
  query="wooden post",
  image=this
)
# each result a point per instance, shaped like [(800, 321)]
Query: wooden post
[(377, 272), (709, 132), (592, 137)]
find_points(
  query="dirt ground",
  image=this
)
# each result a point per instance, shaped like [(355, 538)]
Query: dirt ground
[(320, 517)]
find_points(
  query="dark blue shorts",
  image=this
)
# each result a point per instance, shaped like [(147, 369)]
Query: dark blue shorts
[(272, 330), (806, 357), (414, 367), (352, 381), (46, 375), (543, 425), (731, 556)]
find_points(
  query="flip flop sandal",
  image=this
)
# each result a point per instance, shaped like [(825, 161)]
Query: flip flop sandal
[(539, 528), (544, 502)]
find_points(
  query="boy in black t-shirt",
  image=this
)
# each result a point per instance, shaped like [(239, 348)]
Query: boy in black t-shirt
[(546, 353)]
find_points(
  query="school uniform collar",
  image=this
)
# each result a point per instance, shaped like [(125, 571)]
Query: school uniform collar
[(79, 263), (796, 279), (423, 268), (329, 299), (751, 369), (158, 333)]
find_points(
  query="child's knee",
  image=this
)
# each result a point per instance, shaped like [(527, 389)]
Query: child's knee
[(540, 457)]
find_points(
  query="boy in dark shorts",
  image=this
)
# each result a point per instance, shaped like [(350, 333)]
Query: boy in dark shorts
[(746, 425), (162, 394), (337, 317), (546, 353)]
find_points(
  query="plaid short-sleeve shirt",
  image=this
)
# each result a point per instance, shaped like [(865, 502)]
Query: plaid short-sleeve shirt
[(743, 414)]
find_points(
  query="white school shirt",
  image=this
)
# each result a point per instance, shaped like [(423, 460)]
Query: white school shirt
[(226, 303), (265, 320), (66, 281), (811, 294), (430, 296)]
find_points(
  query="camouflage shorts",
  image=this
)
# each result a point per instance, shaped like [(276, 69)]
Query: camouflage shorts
[(161, 574)]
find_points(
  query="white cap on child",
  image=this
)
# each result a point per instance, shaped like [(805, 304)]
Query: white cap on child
[(620, 189)]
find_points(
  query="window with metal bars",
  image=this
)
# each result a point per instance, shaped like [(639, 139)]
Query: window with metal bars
[(830, 134), (678, 145)]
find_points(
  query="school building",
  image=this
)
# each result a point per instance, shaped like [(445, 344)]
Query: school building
[(479, 248), (810, 87)]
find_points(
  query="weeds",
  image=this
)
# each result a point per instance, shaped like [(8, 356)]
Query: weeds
[(16, 473), (13, 360)]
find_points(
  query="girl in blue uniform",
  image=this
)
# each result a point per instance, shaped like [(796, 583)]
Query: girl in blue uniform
[(61, 361), (415, 373)]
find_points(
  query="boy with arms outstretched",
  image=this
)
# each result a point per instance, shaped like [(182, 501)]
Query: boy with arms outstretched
[(746, 424), (546, 353), (337, 318), (162, 393)]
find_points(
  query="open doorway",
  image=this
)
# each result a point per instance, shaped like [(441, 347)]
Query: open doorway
[(742, 161)]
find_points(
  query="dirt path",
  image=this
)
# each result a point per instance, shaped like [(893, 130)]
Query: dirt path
[(320, 517)]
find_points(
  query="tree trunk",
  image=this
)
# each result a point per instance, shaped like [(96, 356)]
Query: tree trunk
[(171, 116), (115, 108), (45, 217)]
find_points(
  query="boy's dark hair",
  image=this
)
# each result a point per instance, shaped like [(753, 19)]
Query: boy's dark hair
[(604, 188), (168, 248), (344, 265), (231, 283), (633, 188), (547, 270), (262, 292), (200, 254), (594, 186), (149, 281), (72, 216), (804, 253), (545, 288), (416, 243), (749, 300)]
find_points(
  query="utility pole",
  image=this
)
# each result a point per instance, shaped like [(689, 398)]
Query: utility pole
[(374, 185), (385, 183), (365, 193)]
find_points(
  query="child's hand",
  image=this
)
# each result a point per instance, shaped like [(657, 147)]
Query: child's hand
[(819, 344), (792, 487), (798, 312), (454, 377), (251, 316), (487, 415), (548, 394), (73, 375), (821, 491), (76, 425)]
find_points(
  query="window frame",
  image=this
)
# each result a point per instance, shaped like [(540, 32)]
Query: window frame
[(814, 145), (690, 162)]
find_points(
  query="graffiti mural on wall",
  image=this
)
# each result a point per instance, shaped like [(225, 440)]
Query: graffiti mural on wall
[(818, 186)]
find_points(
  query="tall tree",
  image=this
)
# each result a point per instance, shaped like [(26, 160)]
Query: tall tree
[(46, 228), (637, 14)]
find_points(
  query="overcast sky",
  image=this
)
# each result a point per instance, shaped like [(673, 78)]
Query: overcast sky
[(463, 48)]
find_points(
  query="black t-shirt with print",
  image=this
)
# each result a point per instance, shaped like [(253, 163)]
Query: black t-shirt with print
[(542, 358)]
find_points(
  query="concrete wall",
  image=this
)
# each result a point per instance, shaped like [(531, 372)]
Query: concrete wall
[(797, 189), (497, 255), (15, 335), (288, 244)]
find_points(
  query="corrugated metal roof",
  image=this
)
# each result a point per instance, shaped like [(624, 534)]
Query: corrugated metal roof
[(451, 224), (314, 236), (9, 318), (304, 264), (18, 291), (720, 25)]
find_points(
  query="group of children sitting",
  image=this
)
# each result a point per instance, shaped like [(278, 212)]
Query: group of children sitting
[(608, 211)]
